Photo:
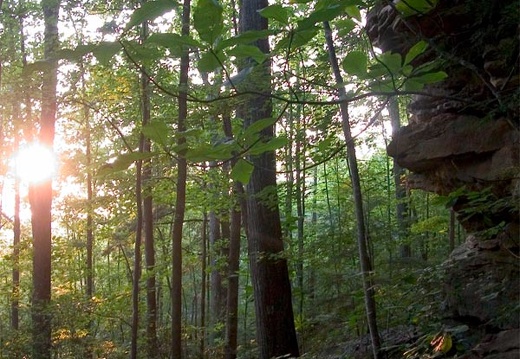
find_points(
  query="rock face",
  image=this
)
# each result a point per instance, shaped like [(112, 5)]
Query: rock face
[(463, 139)]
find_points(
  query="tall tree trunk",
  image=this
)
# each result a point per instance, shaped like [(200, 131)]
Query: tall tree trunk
[(216, 304), (15, 301), (203, 285), (364, 258), (237, 194), (137, 254), (400, 191), (40, 194), (275, 330), (180, 201), (148, 218)]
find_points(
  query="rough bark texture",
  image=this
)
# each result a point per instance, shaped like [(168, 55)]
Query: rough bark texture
[(180, 201), (464, 140), (362, 237), (40, 194), (275, 330)]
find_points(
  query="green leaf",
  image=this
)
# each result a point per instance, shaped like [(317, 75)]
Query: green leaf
[(105, 50), (209, 61), (245, 51), (149, 11), (344, 26), (353, 11), (123, 161), (355, 63), (174, 42), (276, 12), (271, 145), (296, 39), (158, 132), (258, 126), (415, 7), (392, 62), (242, 171), (415, 51), (325, 14), (245, 38), (208, 20)]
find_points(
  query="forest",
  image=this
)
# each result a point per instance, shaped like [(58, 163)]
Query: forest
[(252, 179)]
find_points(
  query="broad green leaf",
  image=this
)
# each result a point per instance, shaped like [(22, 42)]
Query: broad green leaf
[(123, 161), (105, 50), (353, 11), (415, 7), (296, 39), (242, 171), (326, 14), (392, 61), (271, 145), (149, 11), (244, 51), (415, 51), (209, 61), (412, 84), (174, 42), (208, 20), (158, 132), (245, 38), (276, 12), (258, 126), (344, 26), (355, 63)]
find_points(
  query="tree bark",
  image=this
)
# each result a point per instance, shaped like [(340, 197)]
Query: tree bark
[(180, 201), (364, 258), (400, 191), (40, 194), (275, 330), (237, 194), (148, 218)]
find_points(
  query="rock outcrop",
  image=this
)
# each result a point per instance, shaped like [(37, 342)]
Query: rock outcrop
[(463, 140)]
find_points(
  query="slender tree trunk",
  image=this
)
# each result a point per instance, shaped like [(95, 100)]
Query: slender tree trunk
[(15, 301), (216, 289), (275, 330), (40, 194), (137, 254), (237, 194), (203, 287), (180, 201), (364, 258), (148, 219), (400, 191)]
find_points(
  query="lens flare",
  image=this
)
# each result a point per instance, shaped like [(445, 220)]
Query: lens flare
[(35, 163)]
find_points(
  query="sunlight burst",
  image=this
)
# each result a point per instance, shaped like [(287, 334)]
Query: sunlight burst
[(35, 163)]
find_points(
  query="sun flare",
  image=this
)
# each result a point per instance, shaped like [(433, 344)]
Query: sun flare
[(35, 163)]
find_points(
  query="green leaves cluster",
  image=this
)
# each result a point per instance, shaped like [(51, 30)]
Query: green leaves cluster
[(391, 71)]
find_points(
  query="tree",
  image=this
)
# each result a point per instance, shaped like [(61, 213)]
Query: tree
[(400, 191), (275, 330), (41, 193), (364, 259), (180, 201)]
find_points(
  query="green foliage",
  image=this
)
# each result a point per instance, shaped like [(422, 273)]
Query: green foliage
[(208, 20), (150, 10), (415, 7)]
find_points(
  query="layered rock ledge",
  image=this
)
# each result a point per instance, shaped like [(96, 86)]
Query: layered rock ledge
[(463, 140)]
